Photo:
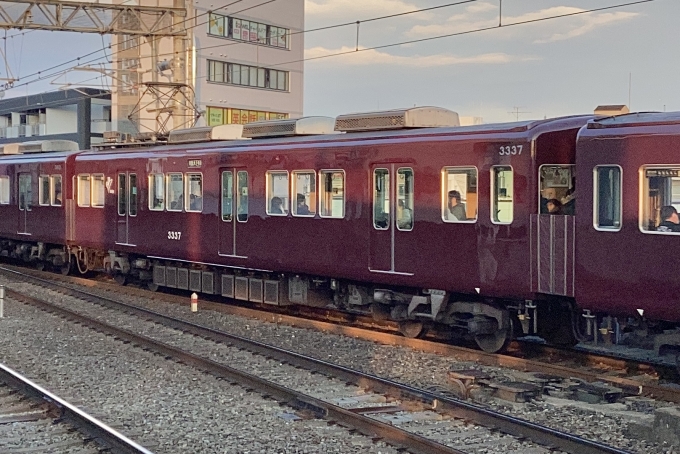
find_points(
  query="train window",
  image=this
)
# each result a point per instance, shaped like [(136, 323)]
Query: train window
[(156, 192), (122, 194), (44, 190), (55, 190), (175, 188), (660, 199), (242, 196), (557, 184), (459, 194), (25, 192), (332, 194), (84, 190), (194, 191), (607, 212), (98, 190), (132, 197), (277, 193), (502, 194), (404, 215), (227, 195), (4, 190), (304, 188), (381, 199)]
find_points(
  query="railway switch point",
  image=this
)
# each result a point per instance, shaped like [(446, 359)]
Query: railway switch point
[(194, 302)]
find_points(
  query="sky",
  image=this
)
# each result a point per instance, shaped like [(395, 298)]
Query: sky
[(563, 66)]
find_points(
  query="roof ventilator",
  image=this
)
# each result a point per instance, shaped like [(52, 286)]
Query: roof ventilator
[(416, 117), (39, 146), (290, 127), (207, 134)]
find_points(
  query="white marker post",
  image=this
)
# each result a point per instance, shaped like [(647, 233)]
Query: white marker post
[(2, 301), (194, 302)]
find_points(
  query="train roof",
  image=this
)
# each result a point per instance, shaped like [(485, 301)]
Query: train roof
[(635, 119)]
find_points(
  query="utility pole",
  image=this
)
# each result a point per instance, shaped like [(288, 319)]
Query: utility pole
[(516, 112)]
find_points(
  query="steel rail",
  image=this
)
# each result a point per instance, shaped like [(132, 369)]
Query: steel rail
[(365, 425), (106, 436), (507, 424)]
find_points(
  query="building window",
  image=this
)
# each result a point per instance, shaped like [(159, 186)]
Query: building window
[(250, 31), (277, 193), (332, 194), (304, 188), (157, 192), (175, 196), (607, 210), (4, 190), (44, 189), (502, 194), (249, 76), (459, 194)]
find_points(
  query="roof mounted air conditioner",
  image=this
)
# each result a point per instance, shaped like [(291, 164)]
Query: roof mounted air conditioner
[(415, 117)]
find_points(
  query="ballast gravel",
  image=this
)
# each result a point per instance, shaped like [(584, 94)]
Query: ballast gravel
[(397, 363)]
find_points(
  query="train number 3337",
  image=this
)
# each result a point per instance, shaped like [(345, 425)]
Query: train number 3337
[(174, 235), (510, 150)]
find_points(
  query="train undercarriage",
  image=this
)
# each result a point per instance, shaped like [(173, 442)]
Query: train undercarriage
[(491, 324)]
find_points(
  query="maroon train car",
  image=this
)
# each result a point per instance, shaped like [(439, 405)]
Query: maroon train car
[(627, 265), (34, 214), (366, 221)]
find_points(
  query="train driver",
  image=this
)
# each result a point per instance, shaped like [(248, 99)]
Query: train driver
[(670, 222)]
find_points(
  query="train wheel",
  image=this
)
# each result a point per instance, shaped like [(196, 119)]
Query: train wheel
[(492, 343), (120, 279), (412, 329), (65, 269), (152, 286), (40, 266)]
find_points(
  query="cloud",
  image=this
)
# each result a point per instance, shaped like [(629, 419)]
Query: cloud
[(485, 15), (356, 9), (376, 57)]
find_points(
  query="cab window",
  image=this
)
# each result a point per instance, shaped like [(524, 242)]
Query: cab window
[(277, 193), (660, 199), (304, 188), (459, 194), (607, 210), (332, 194), (502, 194)]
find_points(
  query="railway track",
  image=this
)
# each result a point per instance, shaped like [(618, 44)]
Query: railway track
[(405, 416), (33, 419)]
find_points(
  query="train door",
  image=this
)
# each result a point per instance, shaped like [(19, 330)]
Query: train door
[(25, 202), (392, 218), (554, 231), (233, 211), (127, 208)]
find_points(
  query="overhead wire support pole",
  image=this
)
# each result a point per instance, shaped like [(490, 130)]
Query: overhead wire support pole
[(91, 17), (500, 13), (357, 48)]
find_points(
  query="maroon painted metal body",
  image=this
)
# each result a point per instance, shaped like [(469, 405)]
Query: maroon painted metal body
[(500, 260)]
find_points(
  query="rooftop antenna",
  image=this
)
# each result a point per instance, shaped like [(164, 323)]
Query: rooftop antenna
[(516, 112), (630, 84)]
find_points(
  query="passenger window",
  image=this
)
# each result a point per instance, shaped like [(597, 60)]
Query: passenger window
[(502, 194), (242, 197), (44, 189), (557, 186), (157, 192), (4, 190), (660, 199), (133, 194), (381, 199), (55, 190), (277, 193), (607, 212), (404, 217), (84, 190), (304, 188), (175, 197), (25, 192), (194, 190), (332, 194), (227, 195), (122, 194), (98, 190), (459, 194)]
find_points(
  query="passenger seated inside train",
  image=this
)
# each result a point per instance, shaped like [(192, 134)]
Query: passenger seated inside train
[(670, 222), (456, 207), (276, 206), (404, 216), (57, 195), (195, 203), (302, 207)]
